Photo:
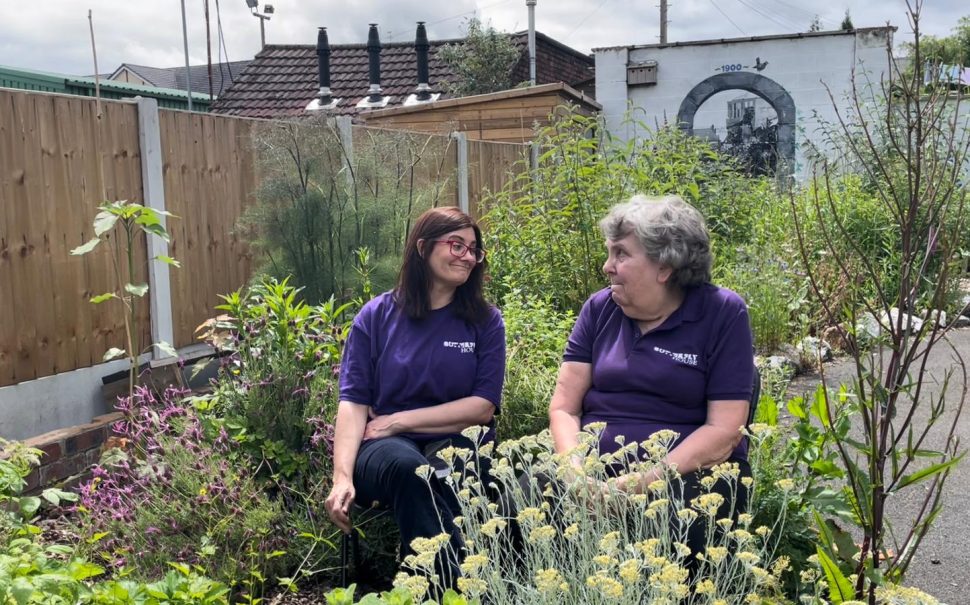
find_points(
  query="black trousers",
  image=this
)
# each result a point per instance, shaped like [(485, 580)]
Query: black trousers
[(384, 476)]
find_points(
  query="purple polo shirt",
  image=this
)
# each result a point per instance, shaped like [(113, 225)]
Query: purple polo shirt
[(663, 379), (394, 363)]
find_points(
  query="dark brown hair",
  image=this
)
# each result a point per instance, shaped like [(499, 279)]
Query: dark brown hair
[(414, 281)]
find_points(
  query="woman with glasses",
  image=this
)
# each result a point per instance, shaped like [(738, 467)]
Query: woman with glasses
[(422, 362)]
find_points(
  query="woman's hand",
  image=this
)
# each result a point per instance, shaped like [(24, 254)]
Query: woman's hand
[(338, 504), (382, 426), (637, 482)]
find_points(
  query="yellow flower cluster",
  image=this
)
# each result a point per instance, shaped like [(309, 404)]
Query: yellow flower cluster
[(416, 585), (542, 534), (708, 503), (493, 527), (425, 550), (608, 587), (610, 542), (571, 532), (630, 571), (531, 515), (472, 587), (903, 595), (550, 582), (473, 564)]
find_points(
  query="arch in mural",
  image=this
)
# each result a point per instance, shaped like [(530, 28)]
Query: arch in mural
[(766, 88)]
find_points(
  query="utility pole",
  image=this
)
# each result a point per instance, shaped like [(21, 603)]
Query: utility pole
[(663, 21), (185, 43), (532, 41)]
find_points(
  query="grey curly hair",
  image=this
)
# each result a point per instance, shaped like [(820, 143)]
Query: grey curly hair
[(672, 232)]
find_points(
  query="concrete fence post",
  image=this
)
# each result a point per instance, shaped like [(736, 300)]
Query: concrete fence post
[(153, 189), (462, 142), (345, 129)]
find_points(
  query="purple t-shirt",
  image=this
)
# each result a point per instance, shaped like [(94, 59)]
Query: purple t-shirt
[(394, 363), (663, 379)]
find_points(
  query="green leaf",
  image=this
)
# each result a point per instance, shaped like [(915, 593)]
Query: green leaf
[(82, 570), (22, 590), (929, 471), (820, 407), (104, 221), (113, 352), (181, 568), (29, 506), (87, 247), (341, 596), (796, 407), (840, 589), (168, 260), (167, 349), (137, 289), (100, 298)]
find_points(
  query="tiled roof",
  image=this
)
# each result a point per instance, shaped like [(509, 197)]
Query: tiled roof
[(223, 75), (282, 79)]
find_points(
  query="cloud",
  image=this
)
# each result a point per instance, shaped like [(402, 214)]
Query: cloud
[(52, 35)]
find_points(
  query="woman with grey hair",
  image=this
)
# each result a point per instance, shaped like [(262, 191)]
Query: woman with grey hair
[(660, 348)]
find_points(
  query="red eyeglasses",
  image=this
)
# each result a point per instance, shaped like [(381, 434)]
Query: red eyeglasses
[(459, 249)]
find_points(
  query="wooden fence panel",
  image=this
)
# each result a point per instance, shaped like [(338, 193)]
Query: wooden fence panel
[(209, 173), (59, 161), (53, 152), (491, 166)]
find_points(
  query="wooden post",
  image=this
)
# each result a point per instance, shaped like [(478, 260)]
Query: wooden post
[(462, 140), (153, 189)]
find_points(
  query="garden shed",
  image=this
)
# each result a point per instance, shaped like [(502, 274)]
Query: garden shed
[(509, 116)]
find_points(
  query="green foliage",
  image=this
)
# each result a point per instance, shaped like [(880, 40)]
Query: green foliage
[(948, 50), (846, 24), (397, 596), (281, 374), (482, 63), (177, 494), (543, 228), (322, 197), (124, 221), (536, 335), (32, 572), (897, 251)]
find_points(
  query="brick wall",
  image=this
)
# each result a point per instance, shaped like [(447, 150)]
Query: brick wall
[(69, 453)]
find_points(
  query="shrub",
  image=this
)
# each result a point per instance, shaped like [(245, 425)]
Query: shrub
[(323, 195), (277, 389), (174, 494), (600, 544), (535, 336), (543, 225)]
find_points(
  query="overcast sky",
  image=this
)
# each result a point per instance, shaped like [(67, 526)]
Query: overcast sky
[(53, 35)]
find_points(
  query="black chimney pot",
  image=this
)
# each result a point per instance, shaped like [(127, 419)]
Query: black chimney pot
[(323, 65), (374, 53), (421, 47)]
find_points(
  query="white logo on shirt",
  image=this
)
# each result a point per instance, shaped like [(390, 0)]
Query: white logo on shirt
[(464, 347), (688, 358)]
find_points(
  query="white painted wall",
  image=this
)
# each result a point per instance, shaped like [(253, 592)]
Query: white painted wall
[(801, 65)]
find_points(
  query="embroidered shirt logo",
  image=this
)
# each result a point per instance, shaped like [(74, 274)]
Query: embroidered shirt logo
[(464, 347), (686, 358)]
